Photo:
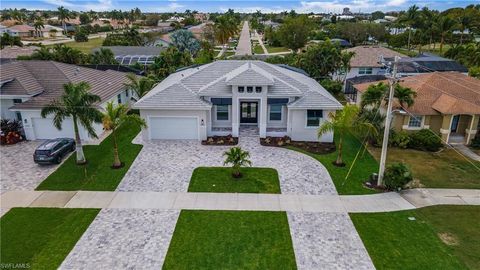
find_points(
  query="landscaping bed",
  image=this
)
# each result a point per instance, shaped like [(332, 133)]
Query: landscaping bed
[(220, 179), (221, 140), (436, 237), (231, 240), (41, 238), (312, 147)]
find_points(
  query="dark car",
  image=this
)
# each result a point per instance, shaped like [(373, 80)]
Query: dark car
[(52, 151)]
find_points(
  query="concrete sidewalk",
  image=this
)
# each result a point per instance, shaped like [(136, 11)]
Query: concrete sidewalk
[(383, 202)]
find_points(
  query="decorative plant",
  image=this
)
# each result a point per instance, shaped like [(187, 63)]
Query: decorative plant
[(397, 175), (238, 158), (11, 131)]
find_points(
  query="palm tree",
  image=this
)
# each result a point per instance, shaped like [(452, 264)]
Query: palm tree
[(139, 86), (225, 27), (343, 122), (404, 95), (115, 116), (38, 24), (104, 56), (63, 15), (77, 103), (377, 93), (445, 25), (410, 18), (238, 158)]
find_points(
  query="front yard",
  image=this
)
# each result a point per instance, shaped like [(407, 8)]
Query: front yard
[(231, 240), (220, 179), (440, 237), (445, 169), (85, 47), (41, 237), (97, 174)]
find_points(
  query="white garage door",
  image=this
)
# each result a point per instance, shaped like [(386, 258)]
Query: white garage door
[(44, 129), (173, 128)]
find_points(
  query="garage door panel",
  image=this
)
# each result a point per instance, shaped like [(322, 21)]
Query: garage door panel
[(44, 129), (173, 128)]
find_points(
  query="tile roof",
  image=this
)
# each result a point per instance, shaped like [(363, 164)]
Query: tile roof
[(45, 80), (21, 28), (369, 56), (15, 51), (441, 93), (175, 96), (215, 79)]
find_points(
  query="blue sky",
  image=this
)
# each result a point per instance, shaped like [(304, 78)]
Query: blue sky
[(265, 6)]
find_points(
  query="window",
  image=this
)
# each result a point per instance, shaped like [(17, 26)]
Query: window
[(17, 101), (19, 116), (365, 70), (241, 89), (313, 118), (127, 93), (119, 98), (276, 112), (249, 89), (222, 112), (258, 89), (415, 121)]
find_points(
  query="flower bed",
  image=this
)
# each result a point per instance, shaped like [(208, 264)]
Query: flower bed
[(312, 147), (221, 140), (12, 137), (10, 131)]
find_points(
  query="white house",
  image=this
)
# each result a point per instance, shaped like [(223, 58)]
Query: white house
[(27, 86), (222, 97)]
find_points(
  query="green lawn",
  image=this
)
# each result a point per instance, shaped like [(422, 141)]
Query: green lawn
[(97, 174), (395, 242), (271, 49), (361, 171), (231, 240), (257, 49), (219, 179), (85, 47), (446, 169), (42, 237)]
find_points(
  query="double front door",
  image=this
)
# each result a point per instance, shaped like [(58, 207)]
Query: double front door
[(248, 112)]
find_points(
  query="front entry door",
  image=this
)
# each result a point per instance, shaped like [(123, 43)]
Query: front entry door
[(248, 112), (454, 126)]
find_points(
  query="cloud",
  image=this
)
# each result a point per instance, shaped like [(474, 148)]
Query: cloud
[(336, 6), (98, 5), (173, 6), (253, 9)]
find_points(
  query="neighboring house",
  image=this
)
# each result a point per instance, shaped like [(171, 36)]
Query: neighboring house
[(428, 62), (221, 97), (8, 53), (201, 17), (165, 27), (447, 103), (272, 24), (27, 86), (129, 55), (50, 31), (22, 30)]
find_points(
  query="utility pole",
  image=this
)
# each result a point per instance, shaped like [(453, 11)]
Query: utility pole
[(383, 158)]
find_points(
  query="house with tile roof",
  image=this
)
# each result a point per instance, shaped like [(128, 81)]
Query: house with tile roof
[(27, 86), (447, 103), (223, 97)]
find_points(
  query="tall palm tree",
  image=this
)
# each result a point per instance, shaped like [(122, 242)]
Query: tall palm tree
[(39, 25), (445, 24), (377, 93), (465, 21), (344, 122), (139, 86), (410, 18), (404, 95), (115, 116), (64, 15), (77, 103), (225, 27), (238, 158)]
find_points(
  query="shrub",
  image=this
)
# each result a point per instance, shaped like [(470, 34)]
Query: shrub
[(332, 86), (396, 176), (81, 36), (400, 139), (475, 142), (425, 140)]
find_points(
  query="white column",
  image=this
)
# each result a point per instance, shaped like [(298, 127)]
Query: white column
[(263, 118), (235, 112)]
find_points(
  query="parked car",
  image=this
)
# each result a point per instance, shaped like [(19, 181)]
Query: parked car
[(52, 151)]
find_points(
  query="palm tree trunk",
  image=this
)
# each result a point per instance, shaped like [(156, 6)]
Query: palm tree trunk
[(116, 159), (441, 42), (409, 37), (339, 160), (78, 144)]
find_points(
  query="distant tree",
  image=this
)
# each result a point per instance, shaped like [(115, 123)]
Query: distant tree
[(225, 27), (38, 25), (140, 86), (63, 16), (84, 18), (81, 35), (410, 18), (103, 56), (445, 24), (377, 93), (168, 61), (474, 72), (69, 55), (185, 40), (294, 32), (8, 40), (206, 54), (43, 53), (378, 15)]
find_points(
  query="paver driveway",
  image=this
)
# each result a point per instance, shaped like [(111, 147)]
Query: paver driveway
[(18, 171), (167, 166)]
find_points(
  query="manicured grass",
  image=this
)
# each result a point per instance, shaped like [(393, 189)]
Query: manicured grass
[(446, 169), (257, 49), (97, 174), (364, 166), (395, 242), (85, 47), (231, 240), (271, 49), (42, 237), (219, 179)]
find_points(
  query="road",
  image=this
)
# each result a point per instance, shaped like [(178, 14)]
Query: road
[(244, 46)]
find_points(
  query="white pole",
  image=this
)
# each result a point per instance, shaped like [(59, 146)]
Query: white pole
[(386, 133)]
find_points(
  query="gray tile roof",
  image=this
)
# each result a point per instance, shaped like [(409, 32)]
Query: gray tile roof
[(45, 80), (173, 97), (215, 79), (133, 50)]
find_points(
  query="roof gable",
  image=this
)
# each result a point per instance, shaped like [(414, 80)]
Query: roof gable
[(249, 74)]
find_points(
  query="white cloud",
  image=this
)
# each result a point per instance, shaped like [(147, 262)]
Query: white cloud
[(98, 5), (173, 6), (276, 9)]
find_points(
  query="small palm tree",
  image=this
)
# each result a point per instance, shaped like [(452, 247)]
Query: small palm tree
[(39, 25), (77, 103), (115, 116), (404, 95), (343, 122), (238, 158), (139, 86)]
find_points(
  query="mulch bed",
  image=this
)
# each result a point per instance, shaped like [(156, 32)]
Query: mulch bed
[(312, 147), (221, 140)]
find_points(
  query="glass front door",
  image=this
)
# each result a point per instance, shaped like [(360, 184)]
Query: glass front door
[(455, 120), (248, 112)]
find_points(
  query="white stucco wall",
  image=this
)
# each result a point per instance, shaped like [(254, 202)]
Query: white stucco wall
[(277, 123), (354, 72), (5, 113), (299, 130)]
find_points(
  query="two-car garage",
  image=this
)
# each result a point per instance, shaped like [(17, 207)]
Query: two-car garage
[(173, 128)]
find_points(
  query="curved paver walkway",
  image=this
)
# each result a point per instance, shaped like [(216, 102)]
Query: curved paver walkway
[(167, 166)]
